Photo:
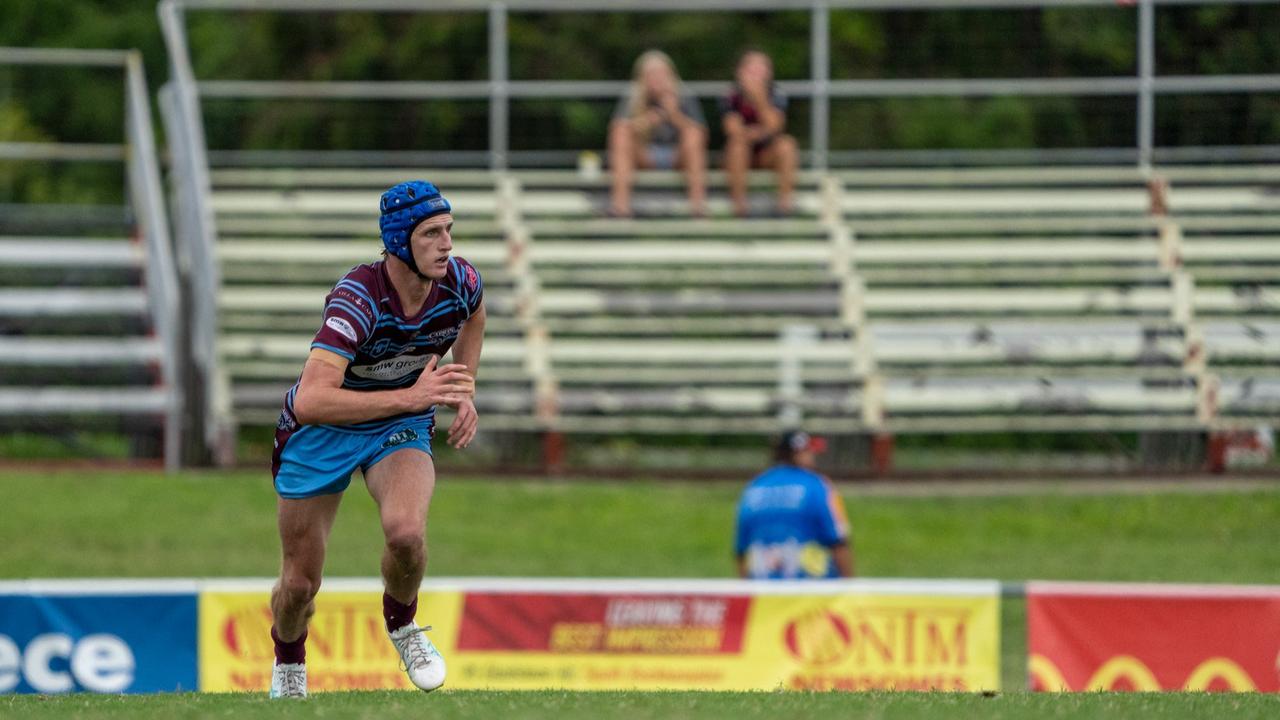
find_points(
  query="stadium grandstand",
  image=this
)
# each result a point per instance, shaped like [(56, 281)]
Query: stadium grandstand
[(90, 311), (947, 292)]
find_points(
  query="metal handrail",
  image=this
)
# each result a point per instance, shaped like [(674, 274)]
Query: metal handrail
[(1143, 85), (162, 286), (197, 232)]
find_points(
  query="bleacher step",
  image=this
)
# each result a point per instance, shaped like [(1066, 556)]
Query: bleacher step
[(78, 352), (69, 400), (54, 252), (40, 302)]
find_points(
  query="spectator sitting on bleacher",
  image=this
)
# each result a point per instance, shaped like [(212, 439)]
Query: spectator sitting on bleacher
[(791, 521), (754, 115), (657, 124)]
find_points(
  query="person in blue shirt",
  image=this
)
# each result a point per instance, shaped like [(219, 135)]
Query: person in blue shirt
[(791, 521)]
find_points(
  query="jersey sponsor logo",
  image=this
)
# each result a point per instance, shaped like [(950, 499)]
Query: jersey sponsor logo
[(440, 336), (343, 327), (400, 437), (472, 278), (352, 297), (391, 368)]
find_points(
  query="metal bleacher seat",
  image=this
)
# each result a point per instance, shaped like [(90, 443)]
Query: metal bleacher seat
[(286, 236), (1229, 241), (893, 301), (667, 324), (1037, 298)]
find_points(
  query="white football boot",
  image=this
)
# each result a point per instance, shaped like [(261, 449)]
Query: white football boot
[(289, 681), (421, 659)]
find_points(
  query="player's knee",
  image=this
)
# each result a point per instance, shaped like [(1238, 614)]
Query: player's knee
[(298, 590), (407, 540)]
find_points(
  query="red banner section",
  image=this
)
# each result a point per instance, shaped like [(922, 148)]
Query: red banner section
[(1090, 636), (579, 623)]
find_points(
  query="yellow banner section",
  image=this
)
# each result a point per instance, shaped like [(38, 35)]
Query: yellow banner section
[(347, 645), (850, 641)]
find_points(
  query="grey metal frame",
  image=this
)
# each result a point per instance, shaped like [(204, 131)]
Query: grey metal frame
[(146, 198), (196, 233), (820, 87)]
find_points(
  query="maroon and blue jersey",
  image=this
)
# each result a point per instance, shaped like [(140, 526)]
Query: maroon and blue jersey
[(387, 348)]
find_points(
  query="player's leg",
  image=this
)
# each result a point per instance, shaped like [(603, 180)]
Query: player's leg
[(304, 530), (737, 161), (782, 154), (692, 159), (311, 467), (402, 483)]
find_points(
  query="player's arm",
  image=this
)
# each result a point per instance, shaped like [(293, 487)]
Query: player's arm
[(466, 352), (833, 524), (466, 349), (321, 399)]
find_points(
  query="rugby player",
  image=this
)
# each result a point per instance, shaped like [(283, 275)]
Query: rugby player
[(366, 399)]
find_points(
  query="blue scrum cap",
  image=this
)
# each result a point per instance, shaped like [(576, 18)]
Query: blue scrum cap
[(403, 207)]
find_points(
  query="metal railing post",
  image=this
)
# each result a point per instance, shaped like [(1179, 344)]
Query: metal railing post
[(147, 198), (1146, 81), (197, 233), (820, 70), (499, 126)]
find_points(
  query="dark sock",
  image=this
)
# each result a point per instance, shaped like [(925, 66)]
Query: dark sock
[(396, 613), (288, 653)]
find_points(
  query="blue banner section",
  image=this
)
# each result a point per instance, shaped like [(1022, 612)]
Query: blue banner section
[(108, 643)]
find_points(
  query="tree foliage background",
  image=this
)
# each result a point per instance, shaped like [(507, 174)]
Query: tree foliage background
[(75, 105)]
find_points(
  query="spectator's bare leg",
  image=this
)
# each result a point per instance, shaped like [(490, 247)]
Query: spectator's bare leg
[(693, 159), (783, 155), (786, 162), (737, 161), (622, 154)]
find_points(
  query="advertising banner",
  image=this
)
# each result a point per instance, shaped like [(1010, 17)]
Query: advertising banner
[(614, 635), (96, 641), (1091, 636)]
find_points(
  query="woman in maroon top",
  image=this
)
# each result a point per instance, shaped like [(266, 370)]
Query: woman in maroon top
[(754, 118)]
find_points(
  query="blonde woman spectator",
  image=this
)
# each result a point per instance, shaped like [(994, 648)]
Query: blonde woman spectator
[(657, 124)]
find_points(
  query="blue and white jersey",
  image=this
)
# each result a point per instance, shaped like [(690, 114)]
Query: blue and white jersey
[(388, 349), (789, 518)]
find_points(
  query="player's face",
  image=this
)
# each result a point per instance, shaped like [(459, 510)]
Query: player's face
[(432, 242), (806, 459)]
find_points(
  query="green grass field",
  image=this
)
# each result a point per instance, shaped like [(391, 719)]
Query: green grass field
[(89, 524), (556, 705)]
